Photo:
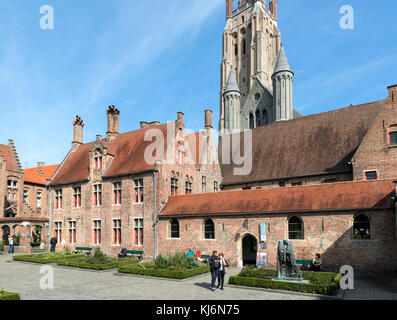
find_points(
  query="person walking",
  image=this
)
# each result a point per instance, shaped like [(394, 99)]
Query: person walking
[(11, 244), (214, 268), (222, 270), (53, 243)]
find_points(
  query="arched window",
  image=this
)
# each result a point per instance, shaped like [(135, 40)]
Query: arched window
[(361, 228), (264, 117), (252, 123), (174, 228), (209, 229), (258, 118), (244, 45), (295, 229)]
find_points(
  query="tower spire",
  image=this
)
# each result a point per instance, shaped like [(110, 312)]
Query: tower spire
[(232, 103)]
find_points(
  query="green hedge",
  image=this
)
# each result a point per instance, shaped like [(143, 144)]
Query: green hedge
[(46, 257), (164, 273), (320, 282), (9, 296), (111, 263)]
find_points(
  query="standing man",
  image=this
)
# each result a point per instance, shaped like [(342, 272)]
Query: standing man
[(215, 264), (53, 243), (11, 243)]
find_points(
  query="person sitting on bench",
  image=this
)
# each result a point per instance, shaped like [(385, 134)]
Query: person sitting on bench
[(316, 263), (198, 255), (190, 253), (123, 253)]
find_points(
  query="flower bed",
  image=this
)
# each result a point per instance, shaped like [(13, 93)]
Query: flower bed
[(48, 257), (326, 283), (164, 273), (9, 295)]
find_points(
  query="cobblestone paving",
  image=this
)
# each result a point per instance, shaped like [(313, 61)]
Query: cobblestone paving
[(373, 288), (76, 284)]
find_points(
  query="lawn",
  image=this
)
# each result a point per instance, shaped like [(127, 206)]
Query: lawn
[(48, 257), (326, 283)]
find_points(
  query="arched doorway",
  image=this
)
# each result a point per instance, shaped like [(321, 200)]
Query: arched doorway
[(6, 233), (250, 250)]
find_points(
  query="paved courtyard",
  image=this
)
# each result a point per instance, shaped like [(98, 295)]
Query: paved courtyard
[(77, 284)]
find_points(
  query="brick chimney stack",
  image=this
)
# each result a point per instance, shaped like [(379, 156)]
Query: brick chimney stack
[(113, 123), (180, 120), (229, 8), (153, 124), (208, 119), (144, 124), (392, 93), (273, 8), (78, 126)]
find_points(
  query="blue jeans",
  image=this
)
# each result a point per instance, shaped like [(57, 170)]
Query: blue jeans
[(221, 278), (11, 249), (214, 276)]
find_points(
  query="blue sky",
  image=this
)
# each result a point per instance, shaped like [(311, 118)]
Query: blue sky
[(153, 58)]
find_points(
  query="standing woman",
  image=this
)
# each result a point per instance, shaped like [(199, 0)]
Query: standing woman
[(222, 270)]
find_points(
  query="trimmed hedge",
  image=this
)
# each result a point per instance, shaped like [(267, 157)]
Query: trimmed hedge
[(164, 273), (326, 283), (10, 296), (45, 258), (111, 263)]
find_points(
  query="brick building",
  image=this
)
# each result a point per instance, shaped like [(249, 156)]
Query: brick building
[(348, 223), (108, 192), (23, 199)]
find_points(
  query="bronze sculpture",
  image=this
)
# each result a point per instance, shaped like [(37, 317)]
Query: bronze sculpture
[(286, 264)]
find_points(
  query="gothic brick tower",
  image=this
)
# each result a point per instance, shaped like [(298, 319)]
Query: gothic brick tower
[(251, 43)]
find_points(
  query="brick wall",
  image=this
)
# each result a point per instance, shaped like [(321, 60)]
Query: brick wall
[(329, 234)]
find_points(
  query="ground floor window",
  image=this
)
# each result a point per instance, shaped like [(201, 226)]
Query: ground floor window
[(361, 228), (209, 229), (295, 229), (58, 231), (139, 232), (97, 232), (174, 228), (72, 232), (117, 231)]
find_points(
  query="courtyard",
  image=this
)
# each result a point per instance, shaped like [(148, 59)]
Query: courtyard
[(77, 284)]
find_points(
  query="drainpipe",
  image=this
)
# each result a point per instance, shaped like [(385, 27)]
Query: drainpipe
[(155, 213), (49, 220)]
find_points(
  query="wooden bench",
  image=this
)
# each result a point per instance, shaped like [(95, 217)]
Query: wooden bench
[(87, 251), (205, 258), (139, 254), (306, 262)]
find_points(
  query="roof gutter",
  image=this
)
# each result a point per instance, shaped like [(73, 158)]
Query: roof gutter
[(272, 212)]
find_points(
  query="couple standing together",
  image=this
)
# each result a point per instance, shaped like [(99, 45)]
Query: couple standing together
[(218, 267)]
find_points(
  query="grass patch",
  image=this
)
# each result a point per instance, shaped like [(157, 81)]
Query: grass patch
[(48, 257), (326, 283), (9, 295), (90, 263)]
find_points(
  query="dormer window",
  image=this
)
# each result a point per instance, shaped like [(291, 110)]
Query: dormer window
[(98, 162), (393, 138)]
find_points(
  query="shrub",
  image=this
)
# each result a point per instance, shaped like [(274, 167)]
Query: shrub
[(2, 245), (177, 261), (320, 282), (35, 244), (9, 295), (110, 263), (164, 273)]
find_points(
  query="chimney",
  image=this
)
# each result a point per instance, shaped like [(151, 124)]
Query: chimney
[(154, 123), (229, 8), (273, 8), (180, 120), (393, 93), (113, 123), (78, 125), (208, 119), (144, 124), (98, 137), (40, 164)]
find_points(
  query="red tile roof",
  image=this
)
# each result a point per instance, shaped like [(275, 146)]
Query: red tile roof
[(311, 145), (332, 196), (39, 175), (9, 157), (127, 148)]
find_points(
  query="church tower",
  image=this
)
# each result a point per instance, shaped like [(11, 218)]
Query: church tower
[(251, 43), (283, 78)]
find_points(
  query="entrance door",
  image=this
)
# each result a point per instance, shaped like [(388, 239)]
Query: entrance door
[(250, 249), (6, 233)]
